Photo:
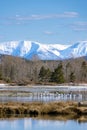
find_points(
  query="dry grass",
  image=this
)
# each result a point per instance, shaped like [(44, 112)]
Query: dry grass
[(38, 108)]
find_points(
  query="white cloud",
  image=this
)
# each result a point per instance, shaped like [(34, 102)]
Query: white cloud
[(48, 32), (49, 16), (70, 14), (19, 19), (79, 26), (81, 23)]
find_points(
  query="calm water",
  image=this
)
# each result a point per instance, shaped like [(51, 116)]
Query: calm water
[(35, 124), (45, 98), (42, 93)]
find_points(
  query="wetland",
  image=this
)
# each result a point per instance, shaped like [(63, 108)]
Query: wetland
[(43, 107)]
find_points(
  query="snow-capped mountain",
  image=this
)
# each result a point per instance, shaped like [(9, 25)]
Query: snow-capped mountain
[(30, 49)]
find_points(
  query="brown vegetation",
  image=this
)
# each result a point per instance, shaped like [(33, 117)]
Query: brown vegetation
[(37, 108), (22, 72)]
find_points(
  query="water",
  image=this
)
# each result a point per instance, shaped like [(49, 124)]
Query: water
[(44, 98), (42, 93), (39, 124)]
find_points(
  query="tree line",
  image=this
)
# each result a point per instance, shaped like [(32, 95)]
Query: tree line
[(56, 76), (17, 70)]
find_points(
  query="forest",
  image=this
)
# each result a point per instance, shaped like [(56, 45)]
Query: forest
[(22, 71)]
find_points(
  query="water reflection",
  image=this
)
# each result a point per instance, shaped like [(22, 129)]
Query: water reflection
[(39, 124), (42, 93), (45, 98)]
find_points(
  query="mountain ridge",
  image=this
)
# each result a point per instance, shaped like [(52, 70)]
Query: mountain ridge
[(29, 49)]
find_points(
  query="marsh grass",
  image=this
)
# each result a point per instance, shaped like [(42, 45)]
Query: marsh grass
[(70, 109)]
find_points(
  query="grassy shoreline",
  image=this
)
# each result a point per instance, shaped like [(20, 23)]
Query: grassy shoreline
[(38, 108), (67, 110)]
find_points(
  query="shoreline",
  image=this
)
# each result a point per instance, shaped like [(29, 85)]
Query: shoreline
[(42, 93), (44, 84), (66, 109), (69, 108)]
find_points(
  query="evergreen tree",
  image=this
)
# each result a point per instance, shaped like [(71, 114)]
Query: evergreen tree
[(58, 76), (44, 74), (48, 74)]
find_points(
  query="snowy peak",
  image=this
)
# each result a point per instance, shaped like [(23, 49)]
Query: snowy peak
[(78, 49), (29, 49)]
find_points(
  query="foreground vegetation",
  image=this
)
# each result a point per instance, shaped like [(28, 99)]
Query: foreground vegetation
[(70, 109)]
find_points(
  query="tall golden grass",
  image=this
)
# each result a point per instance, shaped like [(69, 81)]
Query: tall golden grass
[(38, 108)]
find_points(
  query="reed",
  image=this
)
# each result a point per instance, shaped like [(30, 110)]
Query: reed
[(39, 108)]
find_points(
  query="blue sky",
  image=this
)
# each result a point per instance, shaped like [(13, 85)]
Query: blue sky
[(45, 21)]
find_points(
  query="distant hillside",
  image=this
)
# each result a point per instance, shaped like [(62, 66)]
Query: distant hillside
[(18, 70)]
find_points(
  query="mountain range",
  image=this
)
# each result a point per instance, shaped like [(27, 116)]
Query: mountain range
[(30, 49)]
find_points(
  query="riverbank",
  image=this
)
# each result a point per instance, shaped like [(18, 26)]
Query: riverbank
[(43, 84), (38, 108)]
